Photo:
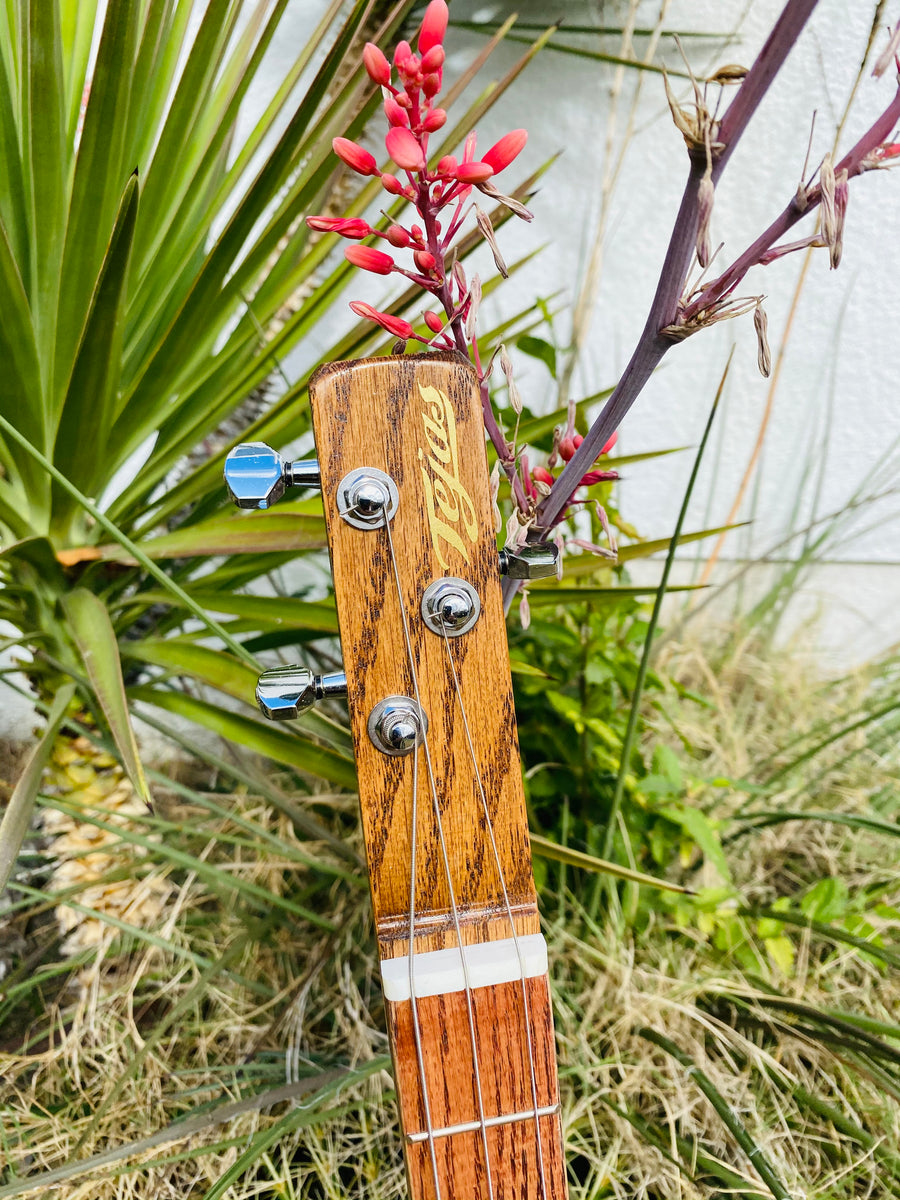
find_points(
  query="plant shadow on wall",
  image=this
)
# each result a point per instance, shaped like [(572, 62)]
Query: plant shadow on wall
[(738, 1039)]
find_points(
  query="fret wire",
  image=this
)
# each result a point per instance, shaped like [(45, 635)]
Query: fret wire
[(450, 889), (509, 913)]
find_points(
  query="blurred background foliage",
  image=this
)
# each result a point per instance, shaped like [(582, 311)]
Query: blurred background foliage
[(189, 1003)]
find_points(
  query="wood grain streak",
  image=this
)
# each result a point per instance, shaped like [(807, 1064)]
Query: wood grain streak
[(418, 418)]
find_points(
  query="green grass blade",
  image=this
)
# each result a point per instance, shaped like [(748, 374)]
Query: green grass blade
[(545, 848)]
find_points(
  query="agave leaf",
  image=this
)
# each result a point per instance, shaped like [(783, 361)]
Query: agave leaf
[(202, 313), (96, 641), (260, 612), (175, 151), (13, 206), (21, 389), (245, 533), (17, 818), (91, 391), (291, 750), (43, 118), (96, 206), (77, 22)]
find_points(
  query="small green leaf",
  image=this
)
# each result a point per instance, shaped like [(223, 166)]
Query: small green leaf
[(96, 641), (536, 347), (702, 832)]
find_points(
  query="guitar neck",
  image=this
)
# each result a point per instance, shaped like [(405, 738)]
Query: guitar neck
[(463, 961)]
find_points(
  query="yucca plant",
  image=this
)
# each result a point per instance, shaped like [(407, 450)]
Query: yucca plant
[(154, 274)]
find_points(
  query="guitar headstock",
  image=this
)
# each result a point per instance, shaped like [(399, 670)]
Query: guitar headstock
[(417, 575)]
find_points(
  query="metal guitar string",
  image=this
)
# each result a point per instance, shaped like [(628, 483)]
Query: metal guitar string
[(450, 889), (417, 1030), (509, 913)]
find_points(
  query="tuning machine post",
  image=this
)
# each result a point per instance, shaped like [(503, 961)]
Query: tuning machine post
[(257, 476), (538, 560), (284, 693)]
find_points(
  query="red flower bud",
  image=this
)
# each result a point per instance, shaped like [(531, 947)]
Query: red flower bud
[(431, 84), (369, 259), (474, 172), (447, 165), (598, 477), (542, 475), (416, 231), (398, 236), (403, 100), (354, 156), (424, 260), (609, 445), (434, 321), (577, 439), (394, 325), (377, 66), (434, 120), (404, 149), (392, 184), (433, 59), (566, 446), (402, 55), (395, 113), (348, 227), (434, 25), (503, 152)]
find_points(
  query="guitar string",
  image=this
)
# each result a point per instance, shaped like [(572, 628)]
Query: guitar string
[(508, 905), (443, 844), (417, 1029)]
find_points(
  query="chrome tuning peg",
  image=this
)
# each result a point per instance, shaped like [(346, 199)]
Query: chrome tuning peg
[(256, 475), (284, 693), (537, 561)]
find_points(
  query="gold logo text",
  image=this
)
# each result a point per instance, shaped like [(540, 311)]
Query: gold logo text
[(449, 507)]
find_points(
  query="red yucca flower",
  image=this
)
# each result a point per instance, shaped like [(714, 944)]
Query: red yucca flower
[(502, 153), (356, 158), (404, 148), (348, 227), (394, 325), (434, 26), (369, 259)]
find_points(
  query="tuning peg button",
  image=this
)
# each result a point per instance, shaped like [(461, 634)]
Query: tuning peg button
[(537, 561), (284, 693), (256, 475)]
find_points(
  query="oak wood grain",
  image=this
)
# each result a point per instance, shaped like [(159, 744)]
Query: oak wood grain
[(418, 418)]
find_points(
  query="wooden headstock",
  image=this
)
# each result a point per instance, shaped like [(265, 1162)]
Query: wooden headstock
[(401, 462), (474, 1054)]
